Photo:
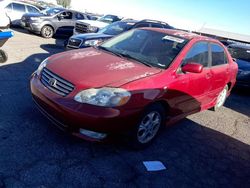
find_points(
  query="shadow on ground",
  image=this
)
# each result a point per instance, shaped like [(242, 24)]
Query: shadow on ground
[(35, 154)]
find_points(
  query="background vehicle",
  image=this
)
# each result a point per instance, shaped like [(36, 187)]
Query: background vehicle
[(133, 82), (93, 26), (16, 9), (4, 21), (51, 21), (242, 55), (90, 39)]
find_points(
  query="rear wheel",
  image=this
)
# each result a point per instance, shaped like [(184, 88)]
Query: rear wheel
[(148, 127), (47, 31), (3, 56), (221, 98)]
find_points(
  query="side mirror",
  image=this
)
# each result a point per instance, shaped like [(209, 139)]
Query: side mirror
[(192, 67)]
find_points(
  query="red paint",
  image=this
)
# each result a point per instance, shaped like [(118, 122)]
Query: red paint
[(184, 93)]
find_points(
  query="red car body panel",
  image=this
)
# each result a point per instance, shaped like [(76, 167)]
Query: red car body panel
[(181, 93)]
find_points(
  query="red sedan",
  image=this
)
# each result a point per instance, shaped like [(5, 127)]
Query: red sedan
[(134, 83)]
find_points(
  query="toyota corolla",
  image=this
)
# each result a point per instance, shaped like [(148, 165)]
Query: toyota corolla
[(134, 83)]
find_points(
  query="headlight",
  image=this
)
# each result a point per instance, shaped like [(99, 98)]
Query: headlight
[(92, 42), (34, 18), (107, 97), (41, 66), (93, 29)]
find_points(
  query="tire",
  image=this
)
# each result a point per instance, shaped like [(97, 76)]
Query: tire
[(3, 56), (221, 99), (47, 32), (151, 121)]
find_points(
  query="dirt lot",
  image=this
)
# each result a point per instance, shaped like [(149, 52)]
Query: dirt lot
[(208, 149)]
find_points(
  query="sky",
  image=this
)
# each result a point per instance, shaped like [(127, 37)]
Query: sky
[(227, 15)]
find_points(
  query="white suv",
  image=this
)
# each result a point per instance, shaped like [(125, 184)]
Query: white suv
[(16, 9)]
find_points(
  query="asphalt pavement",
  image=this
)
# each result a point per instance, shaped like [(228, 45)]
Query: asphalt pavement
[(207, 149)]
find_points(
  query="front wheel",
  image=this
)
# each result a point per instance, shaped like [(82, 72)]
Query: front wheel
[(47, 31), (148, 127)]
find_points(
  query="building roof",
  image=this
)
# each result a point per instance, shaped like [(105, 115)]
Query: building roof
[(225, 34)]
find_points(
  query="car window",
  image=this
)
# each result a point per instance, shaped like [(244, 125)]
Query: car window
[(197, 54), (66, 15), (150, 47), (156, 25), (80, 16), (218, 55), (116, 28), (9, 7), (31, 9), (18, 7), (142, 25), (240, 53)]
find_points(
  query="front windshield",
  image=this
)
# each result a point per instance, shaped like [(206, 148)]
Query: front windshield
[(52, 11), (148, 47), (240, 53), (116, 28)]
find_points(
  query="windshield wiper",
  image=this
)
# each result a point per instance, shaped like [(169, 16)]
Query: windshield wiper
[(134, 58), (110, 51)]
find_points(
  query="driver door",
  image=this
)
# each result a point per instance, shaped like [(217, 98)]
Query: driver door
[(64, 22)]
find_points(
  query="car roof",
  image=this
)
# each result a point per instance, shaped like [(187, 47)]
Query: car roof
[(181, 34)]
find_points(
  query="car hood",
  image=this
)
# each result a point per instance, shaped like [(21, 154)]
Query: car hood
[(88, 68), (243, 65), (94, 23), (89, 36)]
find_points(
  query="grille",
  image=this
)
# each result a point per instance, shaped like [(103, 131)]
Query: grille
[(75, 43), (82, 28), (56, 83)]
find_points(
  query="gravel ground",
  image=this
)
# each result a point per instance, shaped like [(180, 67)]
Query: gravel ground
[(208, 149)]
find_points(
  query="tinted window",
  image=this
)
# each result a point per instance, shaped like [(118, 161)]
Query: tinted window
[(18, 7), (66, 15), (239, 53), (80, 16), (150, 47), (142, 25), (218, 55), (197, 54), (9, 7), (32, 9), (156, 25)]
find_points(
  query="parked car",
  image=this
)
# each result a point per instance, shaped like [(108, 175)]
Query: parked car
[(242, 55), (4, 21), (134, 83), (16, 9), (53, 20), (91, 39), (93, 26)]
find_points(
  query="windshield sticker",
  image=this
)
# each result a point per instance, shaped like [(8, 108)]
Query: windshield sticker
[(121, 65), (83, 54), (174, 39), (181, 34)]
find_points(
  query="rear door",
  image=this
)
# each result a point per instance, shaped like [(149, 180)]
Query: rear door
[(219, 69)]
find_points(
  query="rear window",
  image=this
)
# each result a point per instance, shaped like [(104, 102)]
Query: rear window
[(31, 9), (18, 7), (218, 55)]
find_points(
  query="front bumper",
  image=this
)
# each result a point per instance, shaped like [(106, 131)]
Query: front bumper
[(70, 115)]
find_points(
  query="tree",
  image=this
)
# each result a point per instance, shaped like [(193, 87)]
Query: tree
[(64, 3)]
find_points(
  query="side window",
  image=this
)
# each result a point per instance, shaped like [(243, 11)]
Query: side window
[(18, 7), (218, 55), (67, 15), (31, 9), (156, 25), (80, 16), (197, 54), (9, 7), (141, 25)]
